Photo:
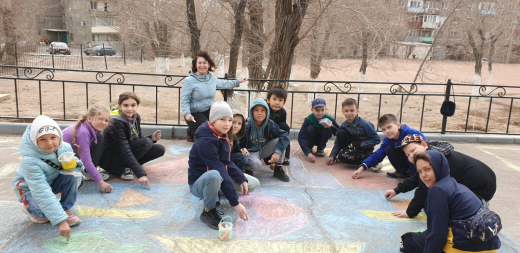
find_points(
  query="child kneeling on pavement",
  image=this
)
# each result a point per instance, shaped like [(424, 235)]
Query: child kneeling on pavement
[(211, 170), (38, 178)]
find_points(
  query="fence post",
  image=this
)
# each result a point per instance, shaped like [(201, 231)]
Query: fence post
[(16, 58), (52, 55), (124, 53), (105, 55), (141, 55), (81, 53), (446, 97)]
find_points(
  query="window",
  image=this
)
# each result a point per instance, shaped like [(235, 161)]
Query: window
[(430, 5), (70, 21), (428, 19), (415, 4), (70, 4), (418, 18), (93, 5), (444, 6)]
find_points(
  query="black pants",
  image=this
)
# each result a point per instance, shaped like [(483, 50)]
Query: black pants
[(287, 129), (414, 242), (145, 150), (347, 155), (200, 117), (96, 149)]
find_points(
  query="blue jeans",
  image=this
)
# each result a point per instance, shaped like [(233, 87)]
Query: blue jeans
[(401, 164), (65, 184), (206, 187), (239, 159)]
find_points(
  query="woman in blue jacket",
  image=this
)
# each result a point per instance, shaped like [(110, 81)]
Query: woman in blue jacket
[(199, 90), (448, 201)]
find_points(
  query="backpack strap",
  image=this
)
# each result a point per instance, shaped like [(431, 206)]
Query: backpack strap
[(52, 164)]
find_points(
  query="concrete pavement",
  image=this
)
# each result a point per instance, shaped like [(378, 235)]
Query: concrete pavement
[(321, 210)]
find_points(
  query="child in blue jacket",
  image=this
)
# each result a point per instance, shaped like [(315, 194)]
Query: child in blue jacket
[(264, 139), (38, 178), (210, 168), (449, 203), (394, 133)]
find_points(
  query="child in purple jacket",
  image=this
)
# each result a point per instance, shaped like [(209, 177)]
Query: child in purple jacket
[(86, 139)]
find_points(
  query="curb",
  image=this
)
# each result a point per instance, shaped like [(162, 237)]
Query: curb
[(180, 131)]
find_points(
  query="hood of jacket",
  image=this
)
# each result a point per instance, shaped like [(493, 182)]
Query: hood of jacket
[(201, 78), (440, 165), (242, 130), (32, 132), (262, 102)]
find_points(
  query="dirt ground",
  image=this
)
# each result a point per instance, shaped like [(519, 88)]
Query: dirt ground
[(371, 106)]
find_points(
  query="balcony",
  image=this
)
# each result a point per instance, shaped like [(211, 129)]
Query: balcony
[(415, 24), (430, 25), (428, 40), (416, 9)]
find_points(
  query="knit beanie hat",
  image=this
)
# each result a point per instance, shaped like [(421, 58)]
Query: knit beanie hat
[(219, 110), (43, 125)]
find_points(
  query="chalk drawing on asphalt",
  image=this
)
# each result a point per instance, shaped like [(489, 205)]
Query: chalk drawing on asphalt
[(387, 216), (86, 211), (91, 242), (177, 150), (131, 197)]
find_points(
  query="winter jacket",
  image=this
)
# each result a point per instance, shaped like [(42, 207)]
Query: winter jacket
[(85, 135), (278, 117), (312, 121), (198, 92), (268, 131), (35, 175), (117, 153), (379, 155), (213, 152), (449, 200), (362, 131), (468, 171)]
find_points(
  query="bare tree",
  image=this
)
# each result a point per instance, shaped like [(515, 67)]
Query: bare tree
[(238, 9), (193, 27), (318, 47), (255, 42)]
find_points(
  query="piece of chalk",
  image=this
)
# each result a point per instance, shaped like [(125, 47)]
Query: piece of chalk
[(194, 121)]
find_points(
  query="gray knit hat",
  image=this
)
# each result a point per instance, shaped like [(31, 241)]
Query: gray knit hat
[(219, 110)]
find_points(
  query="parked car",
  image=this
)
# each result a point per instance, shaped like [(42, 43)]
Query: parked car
[(99, 50), (59, 48)]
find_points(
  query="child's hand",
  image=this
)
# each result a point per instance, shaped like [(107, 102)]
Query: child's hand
[(105, 186), (241, 210), (274, 158), (156, 135), (144, 181), (401, 213), (245, 188), (330, 161), (64, 229), (312, 157), (245, 152), (390, 194), (326, 126), (357, 173)]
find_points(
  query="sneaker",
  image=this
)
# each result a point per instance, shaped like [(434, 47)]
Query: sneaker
[(127, 175), (377, 168), (395, 175), (320, 153), (286, 162), (87, 176), (280, 174), (73, 220), (33, 218), (189, 138), (211, 217)]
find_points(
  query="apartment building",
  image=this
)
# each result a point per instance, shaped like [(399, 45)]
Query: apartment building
[(79, 21)]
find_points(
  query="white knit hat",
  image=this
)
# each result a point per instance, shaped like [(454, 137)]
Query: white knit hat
[(43, 125), (219, 110)]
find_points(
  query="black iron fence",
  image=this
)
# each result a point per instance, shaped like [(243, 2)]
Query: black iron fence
[(78, 56), (65, 95)]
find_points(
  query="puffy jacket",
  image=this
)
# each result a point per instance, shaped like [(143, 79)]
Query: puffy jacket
[(213, 152), (449, 200), (35, 175), (117, 153), (198, 92), (270, 130)]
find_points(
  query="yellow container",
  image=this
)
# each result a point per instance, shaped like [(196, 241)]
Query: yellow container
[(67, 160)]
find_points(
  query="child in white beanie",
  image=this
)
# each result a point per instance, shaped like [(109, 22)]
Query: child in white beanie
[(38, 178), (210, 168)]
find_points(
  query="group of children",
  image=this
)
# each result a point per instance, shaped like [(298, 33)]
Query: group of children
[(229, 149)]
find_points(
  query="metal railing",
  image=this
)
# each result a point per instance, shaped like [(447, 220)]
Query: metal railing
[(65, 95)]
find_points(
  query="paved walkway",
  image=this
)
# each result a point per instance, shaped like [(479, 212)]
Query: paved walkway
[(321, 210)]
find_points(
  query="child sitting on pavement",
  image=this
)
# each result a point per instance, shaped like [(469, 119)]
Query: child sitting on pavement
[(38, 178), (211, 170), (356, 137), (86, 139), (239, 156), (468, 171), (315, 132), (276, 98), (457, 220), (394, 133), (263, 139)]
